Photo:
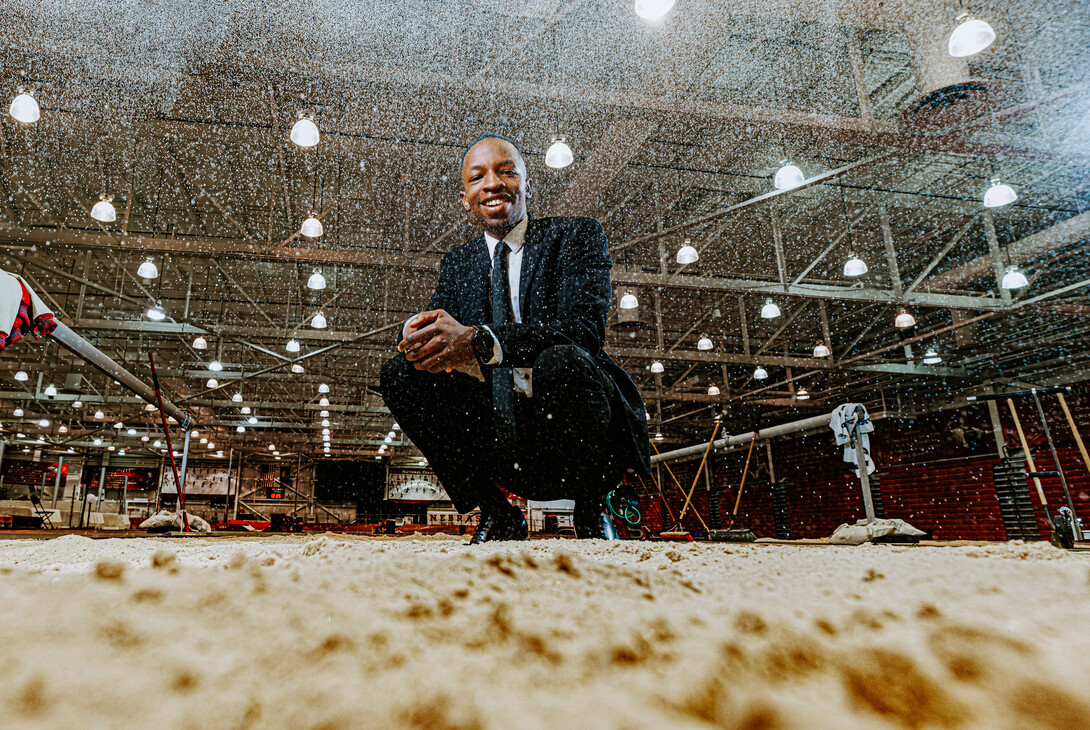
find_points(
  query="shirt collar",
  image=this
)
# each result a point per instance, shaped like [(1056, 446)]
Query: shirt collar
[(515, 238)]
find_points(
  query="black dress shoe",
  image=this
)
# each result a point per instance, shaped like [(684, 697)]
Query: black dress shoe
[(500, 524), (591, 518)]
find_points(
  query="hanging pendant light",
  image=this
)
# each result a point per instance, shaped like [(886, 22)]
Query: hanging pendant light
[(653, 9), (323, 402), (770, 310), (119, 425), (821, 350), (21, 376), (156, 313), (318, 321), (50, 390), (252, 420), (44, 423), (1013, 279), (199, 343), (104, 209), (24, 108), (802, 394), (760, 373), (62, 429), (704, 343), (713, 389), (658, 435), (629, 301), (293, 345), (931, 357), (687, 254), (970, 37), (77, 404), (999, 195), (323, 388), (305, 132), (245, 410), (325, 423), (131, 431), (212, 383), (240, 429), (316, 281), (312, 228), (149, 407), (656, 367), (99, 415), (215, 366), (296, 368), (904, 320), (788, 176), (854, 266), (148, 269), (18, 412), (559, 154), (236, 398)]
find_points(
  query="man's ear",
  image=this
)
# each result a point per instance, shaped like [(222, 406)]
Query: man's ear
[(529, 188), (462, 197)]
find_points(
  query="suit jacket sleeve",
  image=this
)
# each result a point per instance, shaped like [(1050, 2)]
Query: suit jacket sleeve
[(443, 296), (583, 294)]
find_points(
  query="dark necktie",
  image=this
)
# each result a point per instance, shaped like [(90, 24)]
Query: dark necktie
[(503, 394)]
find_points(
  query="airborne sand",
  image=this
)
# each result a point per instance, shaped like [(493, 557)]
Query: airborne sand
[(333, 632)]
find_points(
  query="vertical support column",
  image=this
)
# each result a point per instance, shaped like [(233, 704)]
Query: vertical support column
[(745, 326), (997, 425), (777, 240), (123, 498), (993, 250), (185, 460), (57, 481), (825, 333), (238, 488), (101, 485)]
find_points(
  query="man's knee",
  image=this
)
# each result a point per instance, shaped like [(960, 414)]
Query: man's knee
[(395, 372)]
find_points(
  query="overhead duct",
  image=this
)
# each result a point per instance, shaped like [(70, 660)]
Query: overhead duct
[(945, 95)]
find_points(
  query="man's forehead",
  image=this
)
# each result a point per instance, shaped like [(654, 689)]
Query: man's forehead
[(490, 152)]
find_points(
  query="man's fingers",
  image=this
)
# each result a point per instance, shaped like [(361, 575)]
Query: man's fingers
[(425, 318)]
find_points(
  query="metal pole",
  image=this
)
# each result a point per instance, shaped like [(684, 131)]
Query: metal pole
[(101, 486), (744, 438), (123, 497), (71, 503), (238, 488), (57, 481), (864, 478), (230, 469), (83, 507), (181, 477)]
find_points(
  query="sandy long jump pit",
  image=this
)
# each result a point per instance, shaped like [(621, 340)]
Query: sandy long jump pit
[(334, 632)]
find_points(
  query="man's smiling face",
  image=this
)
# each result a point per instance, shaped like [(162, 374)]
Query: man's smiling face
[(494, 185)]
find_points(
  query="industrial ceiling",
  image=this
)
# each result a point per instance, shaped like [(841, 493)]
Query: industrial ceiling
[(181, 112)]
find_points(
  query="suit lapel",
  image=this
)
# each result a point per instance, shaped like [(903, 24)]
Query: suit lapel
[(479, 274), (530, 256)]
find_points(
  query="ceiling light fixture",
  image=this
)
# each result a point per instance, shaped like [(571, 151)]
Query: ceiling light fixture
[(18, 412), (24, 108), (559, 154), (713, 389), (1014, 279), (62, 429), (21, 376), (318, 321), (77, 404), (323, 414), (252, 420), (788, 176), (323, 388), (770, 310), (293, 345), (656, 367), (305, 132), (148, 269), (199, 343), (50, 390), (821, 350), (296, 368), (970, 37), (240, 429), (653, 9), (245, 410), (704, 343), (99, 415), (931, 357), (802, 394), (325, 422), (215, 366), (44, 423), (687, 254), (212, 383), (999, 195), (236, 398), (104, 209), (131, 431), (323, 402), (629, 301), (313, 228), (854, 266), (760, 373), (156, 313), (904, 320)]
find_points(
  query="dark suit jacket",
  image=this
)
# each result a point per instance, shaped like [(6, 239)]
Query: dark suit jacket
[(564, 294)]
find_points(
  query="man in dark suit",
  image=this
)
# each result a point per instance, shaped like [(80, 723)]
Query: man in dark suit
[(502, 381)]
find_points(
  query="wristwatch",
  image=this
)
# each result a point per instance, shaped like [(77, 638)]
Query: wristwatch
[(483, 345)]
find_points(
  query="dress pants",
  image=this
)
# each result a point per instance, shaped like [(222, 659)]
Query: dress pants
[(564, 447)]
